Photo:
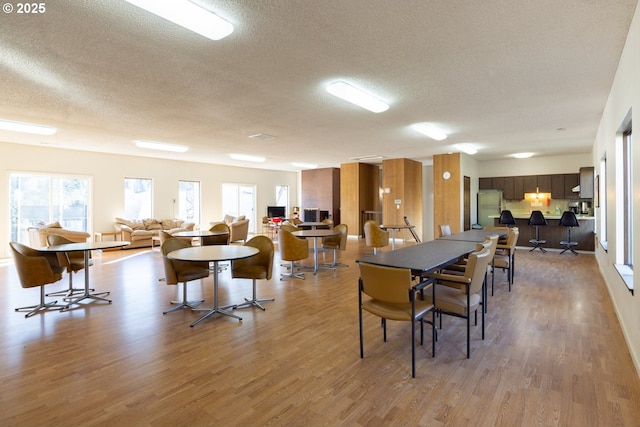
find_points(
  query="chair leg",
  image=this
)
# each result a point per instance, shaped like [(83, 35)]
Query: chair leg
[(254, 301), (33, 309), (184, 303), (70, 291), (335, 261), (293, 274)]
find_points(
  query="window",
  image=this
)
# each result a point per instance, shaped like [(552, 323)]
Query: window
[(239, 199), (624, 203), (282, 197), (38, 199), (138, 198), (601, 201), (189, 201)]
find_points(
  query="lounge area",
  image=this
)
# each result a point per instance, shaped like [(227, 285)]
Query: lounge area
[(296, 363)]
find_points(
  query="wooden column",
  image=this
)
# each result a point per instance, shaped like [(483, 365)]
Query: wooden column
[(447, 192), (402, 181), (359, 191)]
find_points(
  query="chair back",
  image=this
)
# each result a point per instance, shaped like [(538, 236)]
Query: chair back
[(164, 236), (288, 227), (387, 284), (70, 260), (173, 268), (569, 219), (220, 239), (291, 247), (476, 269), (374, 236), (512, 238), (506, 218), (35, 268), (339, 241), (537, 219), (445, 230), (263, 259)]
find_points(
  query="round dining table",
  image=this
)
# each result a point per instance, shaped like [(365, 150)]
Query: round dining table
[(316, 233), (215, 254)]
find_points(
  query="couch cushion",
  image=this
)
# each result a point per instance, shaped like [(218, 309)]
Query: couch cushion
[(228, 219), (151, 224), (141, 235), (168, 224), (133, 223)]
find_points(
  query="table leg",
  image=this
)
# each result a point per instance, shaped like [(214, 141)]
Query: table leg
[(393, 239), (216, 308), (87, 291)]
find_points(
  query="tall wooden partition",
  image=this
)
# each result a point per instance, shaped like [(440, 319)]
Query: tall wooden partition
[(447, 192), (402, 182), (359, 191)]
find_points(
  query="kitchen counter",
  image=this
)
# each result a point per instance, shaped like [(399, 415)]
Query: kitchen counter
[(553, 232)]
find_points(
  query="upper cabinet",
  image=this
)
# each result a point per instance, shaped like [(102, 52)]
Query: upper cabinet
[(586, 182), (544, 184)]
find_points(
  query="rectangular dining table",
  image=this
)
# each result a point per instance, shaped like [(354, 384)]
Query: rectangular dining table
[(474, 235)]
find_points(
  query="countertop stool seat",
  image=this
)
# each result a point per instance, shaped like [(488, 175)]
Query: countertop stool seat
[(537, 220), (569, 220)]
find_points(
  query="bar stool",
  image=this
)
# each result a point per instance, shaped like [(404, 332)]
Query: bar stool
[(569, 220), (537, 220), (506, 218)]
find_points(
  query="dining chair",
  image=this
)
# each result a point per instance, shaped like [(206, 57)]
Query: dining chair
[(462, 302), (36, 268), (181, 271), (337, 243), (392, 295), (220, 239), (374, 236), (445, 230), (292, 249), (71, 261), (257, 267), (504, 257)]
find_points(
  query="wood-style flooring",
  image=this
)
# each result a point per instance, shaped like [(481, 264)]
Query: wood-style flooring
[(554, 354)]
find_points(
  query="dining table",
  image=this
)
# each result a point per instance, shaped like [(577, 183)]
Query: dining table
[(85, 247), (313, 225), (215, 254), (200, 234), (316, 233), (474, 235), (394, 228)]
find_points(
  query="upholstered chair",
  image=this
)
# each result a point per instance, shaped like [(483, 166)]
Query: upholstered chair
[(393, 296), (445, 230), (221, 239), (504, 257), (36, 268), (374, 236), (337, 243), (177, 271), (257, 267), (462, 302), (292, 249), (71, 261)]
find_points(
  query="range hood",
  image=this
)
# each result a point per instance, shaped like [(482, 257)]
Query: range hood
[(576, 189)]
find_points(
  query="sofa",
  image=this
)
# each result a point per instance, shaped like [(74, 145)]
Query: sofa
[(38, 234), (238, 226), (140, 232)]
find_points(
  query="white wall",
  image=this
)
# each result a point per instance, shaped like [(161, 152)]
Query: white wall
[(535, 165), (108, 172), (624, 97)]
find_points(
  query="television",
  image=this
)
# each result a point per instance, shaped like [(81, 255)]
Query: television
[(276, 211)]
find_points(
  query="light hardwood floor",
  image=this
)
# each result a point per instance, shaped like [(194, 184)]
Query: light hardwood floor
[(554, 354)]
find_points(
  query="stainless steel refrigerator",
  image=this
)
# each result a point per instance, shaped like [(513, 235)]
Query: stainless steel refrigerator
[(489, 203)]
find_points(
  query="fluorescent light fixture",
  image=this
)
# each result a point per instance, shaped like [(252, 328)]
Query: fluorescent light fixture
[(247, 158), (370, 157), (304, 165), (430, 131), (163, 146), (188, 15), (466, 148), (522, 155), (356, 96), (27, 128)]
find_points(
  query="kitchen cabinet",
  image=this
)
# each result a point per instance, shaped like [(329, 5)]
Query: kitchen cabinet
[(530, 184), (498, 183), (571, 180), (518, 187), (508, 191), (544, 183), (586, 182), (485, 184), (557, 186)]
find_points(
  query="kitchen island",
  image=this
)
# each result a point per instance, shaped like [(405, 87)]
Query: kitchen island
[(553, 233)]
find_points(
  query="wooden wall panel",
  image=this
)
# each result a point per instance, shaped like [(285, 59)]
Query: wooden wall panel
[(359, 191), (402, 180), (447, 193)]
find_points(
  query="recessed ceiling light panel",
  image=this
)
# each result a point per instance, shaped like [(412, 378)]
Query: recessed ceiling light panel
[(430, 131), (27, 128), (522, 155), (466, 148), (356, 96), (304, 165), (188, 15), (162, 146), (247, 158)]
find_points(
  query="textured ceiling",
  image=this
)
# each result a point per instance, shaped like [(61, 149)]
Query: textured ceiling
[(503, 75)]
